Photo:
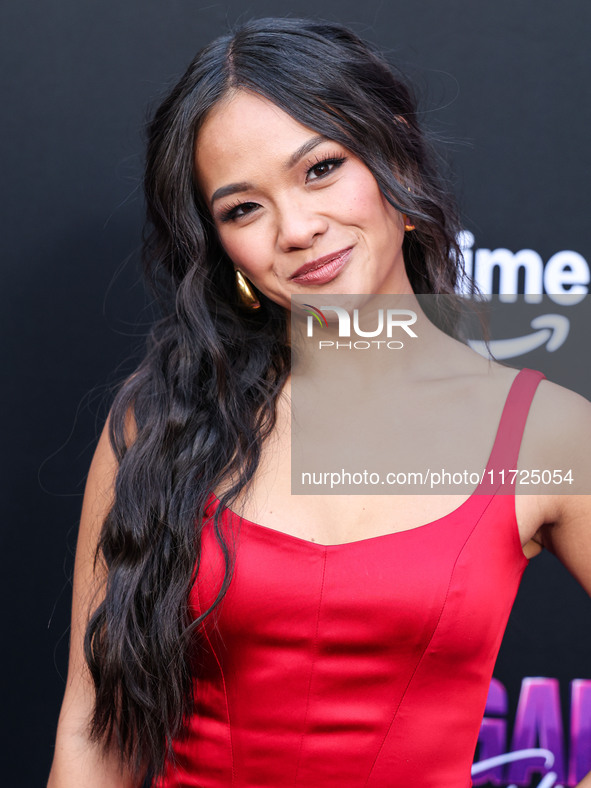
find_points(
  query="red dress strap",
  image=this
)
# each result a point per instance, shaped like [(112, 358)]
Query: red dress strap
[(505, 451)]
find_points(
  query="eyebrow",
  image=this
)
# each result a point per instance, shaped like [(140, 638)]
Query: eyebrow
[(244, 186), (304, 149), (231, 188)]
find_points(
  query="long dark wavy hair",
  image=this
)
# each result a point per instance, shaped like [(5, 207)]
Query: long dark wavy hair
[(203, 398)]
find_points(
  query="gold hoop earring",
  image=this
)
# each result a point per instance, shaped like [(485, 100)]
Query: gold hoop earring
[(245, 292), (407, 225)]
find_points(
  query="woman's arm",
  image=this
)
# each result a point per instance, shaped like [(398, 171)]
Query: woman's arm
[(569, 538), (569, 535), (78, 761), (567, 532)]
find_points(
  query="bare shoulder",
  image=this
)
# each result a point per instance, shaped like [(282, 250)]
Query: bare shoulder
[(568, 404), (98, 497), (558, 434)]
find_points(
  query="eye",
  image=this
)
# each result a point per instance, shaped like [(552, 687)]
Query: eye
[(324, 167), (237, 211)]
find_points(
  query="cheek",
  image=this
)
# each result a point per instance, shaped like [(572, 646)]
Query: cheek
[(245, 249), (364, 202), (379, 213)]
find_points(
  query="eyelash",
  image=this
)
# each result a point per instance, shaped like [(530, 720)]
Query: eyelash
[(230, 213), (334, 160)]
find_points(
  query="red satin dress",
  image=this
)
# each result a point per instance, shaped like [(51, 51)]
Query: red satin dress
[(356, 665)]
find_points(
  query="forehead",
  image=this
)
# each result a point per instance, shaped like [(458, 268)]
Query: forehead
[(241, 136)]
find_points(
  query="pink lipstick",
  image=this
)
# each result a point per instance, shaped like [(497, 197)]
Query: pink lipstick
[(322, 270)]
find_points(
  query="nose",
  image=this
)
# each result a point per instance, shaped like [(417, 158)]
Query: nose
[(298, 226)]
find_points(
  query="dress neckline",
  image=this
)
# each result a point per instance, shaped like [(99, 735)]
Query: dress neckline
[(275, 533), (482, 494)]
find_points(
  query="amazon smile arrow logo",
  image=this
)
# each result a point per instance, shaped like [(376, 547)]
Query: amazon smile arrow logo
[(550, 330)]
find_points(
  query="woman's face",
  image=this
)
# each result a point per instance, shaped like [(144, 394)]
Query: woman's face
[(297, 213)]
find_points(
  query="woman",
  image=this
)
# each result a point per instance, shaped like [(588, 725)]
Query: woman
[(316, 639)]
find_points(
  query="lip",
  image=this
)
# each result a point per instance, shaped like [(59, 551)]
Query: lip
[(323, 269)]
